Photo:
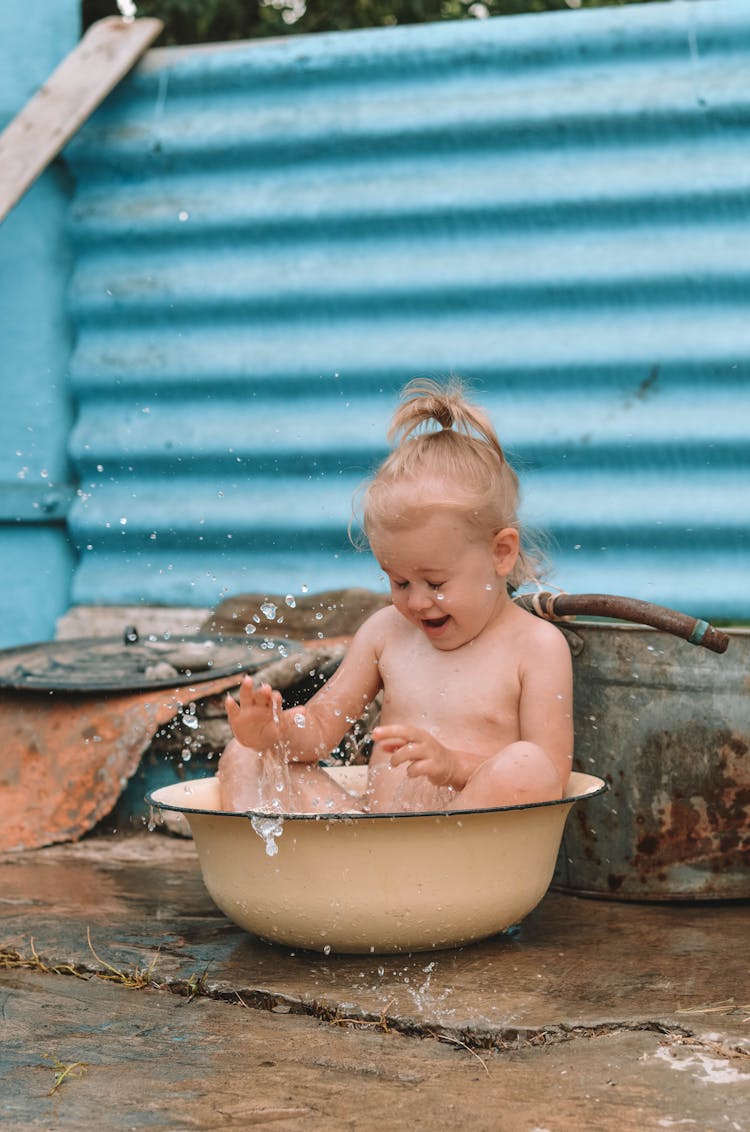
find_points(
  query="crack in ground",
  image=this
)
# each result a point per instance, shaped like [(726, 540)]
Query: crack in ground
[(499, 1040)]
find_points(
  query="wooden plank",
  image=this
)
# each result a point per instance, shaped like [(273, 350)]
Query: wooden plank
[(73, 91)]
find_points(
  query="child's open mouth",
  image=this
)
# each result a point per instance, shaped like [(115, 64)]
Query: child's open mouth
[(435, 624)]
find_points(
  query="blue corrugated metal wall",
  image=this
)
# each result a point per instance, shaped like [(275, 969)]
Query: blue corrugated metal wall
[(37, 559), (272, 237)]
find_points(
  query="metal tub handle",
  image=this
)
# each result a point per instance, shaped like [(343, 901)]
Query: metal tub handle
[(556, 607)]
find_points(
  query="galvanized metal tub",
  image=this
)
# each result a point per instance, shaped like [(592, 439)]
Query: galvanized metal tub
[(667, 725)]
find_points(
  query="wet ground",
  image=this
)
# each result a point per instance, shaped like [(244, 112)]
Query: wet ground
[(129, 1002)]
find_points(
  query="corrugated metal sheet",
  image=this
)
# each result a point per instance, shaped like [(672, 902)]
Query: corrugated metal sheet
[(273, 237)]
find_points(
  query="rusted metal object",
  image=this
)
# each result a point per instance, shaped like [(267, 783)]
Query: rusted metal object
[(129, 663), (668, 728), (77, 715), (66, 758), (562, 605)]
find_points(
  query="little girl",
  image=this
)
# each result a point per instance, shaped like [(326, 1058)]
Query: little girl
[(477, 693)]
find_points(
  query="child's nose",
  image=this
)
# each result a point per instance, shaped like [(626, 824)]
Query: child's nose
[(419, 598)]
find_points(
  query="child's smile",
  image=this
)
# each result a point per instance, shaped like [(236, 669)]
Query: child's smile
[(445, 579)]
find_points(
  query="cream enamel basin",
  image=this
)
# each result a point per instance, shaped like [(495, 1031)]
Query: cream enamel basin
[(376, 883)]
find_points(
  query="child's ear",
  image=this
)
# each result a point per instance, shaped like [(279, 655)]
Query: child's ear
[(505, 546)]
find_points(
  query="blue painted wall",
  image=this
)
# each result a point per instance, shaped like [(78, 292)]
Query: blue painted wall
[(271, 238), (37, 559)]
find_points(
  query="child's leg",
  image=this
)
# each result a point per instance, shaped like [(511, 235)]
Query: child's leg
[(253, 780), (520, 773)]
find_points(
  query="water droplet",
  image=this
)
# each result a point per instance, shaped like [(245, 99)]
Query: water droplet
[(290, 601), (249, 629), (299, 718), (304, 588), (268, 829), (268, 609), (327, 949)]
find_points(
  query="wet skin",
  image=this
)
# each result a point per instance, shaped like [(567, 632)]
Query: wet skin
[(477, 693)]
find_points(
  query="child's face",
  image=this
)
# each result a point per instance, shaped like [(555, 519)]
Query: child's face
[(445, 578)]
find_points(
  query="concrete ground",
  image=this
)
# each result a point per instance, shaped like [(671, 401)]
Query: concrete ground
[(129, 1002)]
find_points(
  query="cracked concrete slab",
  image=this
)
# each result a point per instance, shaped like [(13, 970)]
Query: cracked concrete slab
[(149, 1060), (533, 1026)]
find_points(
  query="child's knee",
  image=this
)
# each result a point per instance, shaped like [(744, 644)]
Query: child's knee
[(524, 773), (234, 754), (237, 764)]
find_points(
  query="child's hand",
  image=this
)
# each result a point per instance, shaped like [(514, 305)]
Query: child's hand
[(424, 754), (256, 719)]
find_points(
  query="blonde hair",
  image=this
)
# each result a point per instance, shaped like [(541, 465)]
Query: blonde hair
[(441, 438)]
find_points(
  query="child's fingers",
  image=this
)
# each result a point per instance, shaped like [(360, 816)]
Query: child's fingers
[(407, 753), (392, 736), (248, 691)]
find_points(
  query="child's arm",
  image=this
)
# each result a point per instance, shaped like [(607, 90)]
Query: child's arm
[(308, 732), (545, 709)]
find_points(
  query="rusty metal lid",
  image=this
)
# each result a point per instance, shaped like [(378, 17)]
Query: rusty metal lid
[(116, 664)]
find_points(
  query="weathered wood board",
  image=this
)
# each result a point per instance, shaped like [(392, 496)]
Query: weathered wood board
[(73, 91)]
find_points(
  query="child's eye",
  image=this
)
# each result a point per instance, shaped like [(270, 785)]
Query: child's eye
[(436, 585), (399, 585)]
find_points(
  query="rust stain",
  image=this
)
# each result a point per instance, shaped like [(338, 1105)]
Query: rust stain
[(705, 823), (66, 758)]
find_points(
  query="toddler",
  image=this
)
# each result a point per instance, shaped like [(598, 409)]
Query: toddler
[(477, 692)]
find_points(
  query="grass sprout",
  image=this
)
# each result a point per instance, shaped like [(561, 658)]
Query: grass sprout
[(63, 1072)]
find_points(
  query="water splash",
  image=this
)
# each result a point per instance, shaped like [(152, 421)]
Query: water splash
[(127, 10), (424, 997), (268, 829)]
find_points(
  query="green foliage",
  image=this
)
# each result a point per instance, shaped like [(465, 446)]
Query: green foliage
[(216, 21)]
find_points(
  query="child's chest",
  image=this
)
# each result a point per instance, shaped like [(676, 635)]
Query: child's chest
[(475, 687)]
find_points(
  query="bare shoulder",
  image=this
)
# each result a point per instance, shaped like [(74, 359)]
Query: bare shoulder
[(378, 628), (542, 638)]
